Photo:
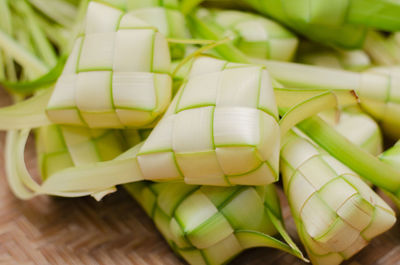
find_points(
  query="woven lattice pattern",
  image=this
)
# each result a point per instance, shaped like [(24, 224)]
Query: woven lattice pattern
[(254, 35), (170, 22), (323, 21), (221, 129), (336, 213), (60, 147), (116, 76), (340, 22), (203, 224), (58, 231)]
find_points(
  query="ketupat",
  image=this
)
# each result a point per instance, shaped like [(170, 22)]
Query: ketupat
[(336, 258), (341, 23), (131, 86), (209, 127), (322, 24), (212, 225), (207, 137), (213, 127), (335, 212), (253, 34)]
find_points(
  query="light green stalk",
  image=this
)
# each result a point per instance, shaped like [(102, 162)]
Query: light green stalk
[(357, 127), (58, 148), (335, 212), (376, 88), (42, 44), (6, 24), (212, 225), (60, 11), (21, 55), (33, 44), (364, 164)]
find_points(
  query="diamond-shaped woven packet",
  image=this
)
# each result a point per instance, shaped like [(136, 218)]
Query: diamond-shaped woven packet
[(335, 212), (60, 147), (221, 129), (116, 76), (319, 20), (212, 225), (341, 23), (253, 34)]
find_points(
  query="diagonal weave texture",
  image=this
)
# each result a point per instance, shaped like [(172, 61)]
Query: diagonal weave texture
[(221, 129), (336, 213), (60, 147), (203, 224), (254, 35), (116, 76), (340, 22), (319, 20), (170, 22), (116, 231)]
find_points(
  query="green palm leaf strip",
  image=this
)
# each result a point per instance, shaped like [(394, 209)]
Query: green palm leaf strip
[(212, 225), (377, 88), (59, 148)]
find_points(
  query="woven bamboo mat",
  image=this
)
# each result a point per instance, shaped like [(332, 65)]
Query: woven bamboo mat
[(48, 230)]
